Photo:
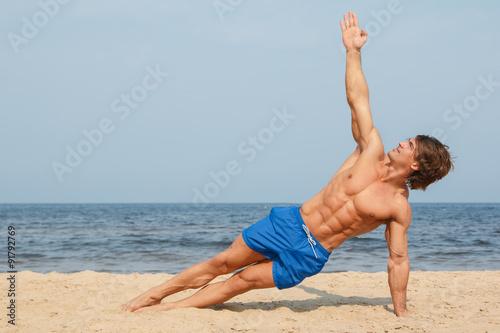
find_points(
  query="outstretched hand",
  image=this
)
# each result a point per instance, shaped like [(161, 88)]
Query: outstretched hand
[(352, 37)]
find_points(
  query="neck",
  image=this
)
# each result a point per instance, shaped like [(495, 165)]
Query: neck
[(395, 176)]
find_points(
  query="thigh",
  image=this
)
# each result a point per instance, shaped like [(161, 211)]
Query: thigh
[(258, 276), (239, 255)]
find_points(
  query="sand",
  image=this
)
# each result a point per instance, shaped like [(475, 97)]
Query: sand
[(331, 302)]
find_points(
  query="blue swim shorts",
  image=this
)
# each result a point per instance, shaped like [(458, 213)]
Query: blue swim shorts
[(284, 238)]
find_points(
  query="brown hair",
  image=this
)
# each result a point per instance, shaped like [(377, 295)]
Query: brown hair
[(434, 161)]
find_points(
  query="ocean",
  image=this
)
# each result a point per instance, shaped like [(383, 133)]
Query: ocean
[(167, 238)]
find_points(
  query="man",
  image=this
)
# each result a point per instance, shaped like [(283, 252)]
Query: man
[(292, 243)]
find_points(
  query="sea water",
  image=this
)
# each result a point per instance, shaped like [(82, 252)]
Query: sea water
[(167, 238)]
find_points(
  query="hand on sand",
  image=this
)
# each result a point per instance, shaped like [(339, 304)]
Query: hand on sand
[(352, 37), (405, 313), (141, 301)]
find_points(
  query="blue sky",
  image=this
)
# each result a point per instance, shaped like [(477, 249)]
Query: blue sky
[(235, 101)]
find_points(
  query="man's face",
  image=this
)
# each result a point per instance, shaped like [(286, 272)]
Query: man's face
[(404, 153)]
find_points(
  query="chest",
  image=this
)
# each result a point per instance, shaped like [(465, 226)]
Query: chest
[(375, 202)]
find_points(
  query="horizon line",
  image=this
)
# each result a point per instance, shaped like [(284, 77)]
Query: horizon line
[(217, 203)]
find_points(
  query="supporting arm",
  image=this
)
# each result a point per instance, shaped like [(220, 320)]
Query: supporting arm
[(398, 265)]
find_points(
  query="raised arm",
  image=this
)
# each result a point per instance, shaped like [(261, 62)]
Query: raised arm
[(398, 265), (356, 87)]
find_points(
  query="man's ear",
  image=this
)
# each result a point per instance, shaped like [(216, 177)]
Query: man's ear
[(415, 166)]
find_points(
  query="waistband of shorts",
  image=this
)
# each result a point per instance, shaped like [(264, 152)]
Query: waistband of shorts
[(296, 213)]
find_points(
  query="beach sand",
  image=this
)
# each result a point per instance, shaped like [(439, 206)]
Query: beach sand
[(332, 302)]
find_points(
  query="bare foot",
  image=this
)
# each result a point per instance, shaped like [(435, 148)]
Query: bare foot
[(145, 300), (158, 307)]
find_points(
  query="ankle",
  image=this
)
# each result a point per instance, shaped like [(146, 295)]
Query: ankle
[(156, 294)]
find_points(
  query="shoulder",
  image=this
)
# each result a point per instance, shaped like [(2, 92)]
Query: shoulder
[(372, 148), (401, 209), (398, 224)]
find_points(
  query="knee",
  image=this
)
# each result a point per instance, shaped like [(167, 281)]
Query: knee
[(219, 263), (238, 283)]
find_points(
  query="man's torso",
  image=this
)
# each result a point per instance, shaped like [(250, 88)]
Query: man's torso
[(355, 201)]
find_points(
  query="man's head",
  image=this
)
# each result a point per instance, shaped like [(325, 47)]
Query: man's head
[(433, 162)]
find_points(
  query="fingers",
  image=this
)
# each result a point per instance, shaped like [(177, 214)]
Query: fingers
[(351, 20)]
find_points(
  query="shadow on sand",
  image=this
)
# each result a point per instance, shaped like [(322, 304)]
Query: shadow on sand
[(324, 299)]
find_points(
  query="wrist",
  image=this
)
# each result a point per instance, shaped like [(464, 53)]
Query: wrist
[(399, 311), (353, 50), (404, 313)]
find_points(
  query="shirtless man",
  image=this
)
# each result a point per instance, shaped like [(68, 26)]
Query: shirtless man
[(292, 243)]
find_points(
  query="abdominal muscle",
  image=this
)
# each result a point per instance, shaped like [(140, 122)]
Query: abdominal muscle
[(332, 217)]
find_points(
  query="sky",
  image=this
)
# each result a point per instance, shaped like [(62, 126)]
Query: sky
[(235, 100)]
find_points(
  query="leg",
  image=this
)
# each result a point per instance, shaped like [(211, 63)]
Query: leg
[(238, 255), (258, 276)]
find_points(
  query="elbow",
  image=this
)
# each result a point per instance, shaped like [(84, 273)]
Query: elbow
[(398, 261), (354, 99)]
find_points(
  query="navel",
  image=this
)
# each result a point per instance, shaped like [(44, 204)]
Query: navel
[(350, 176)]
